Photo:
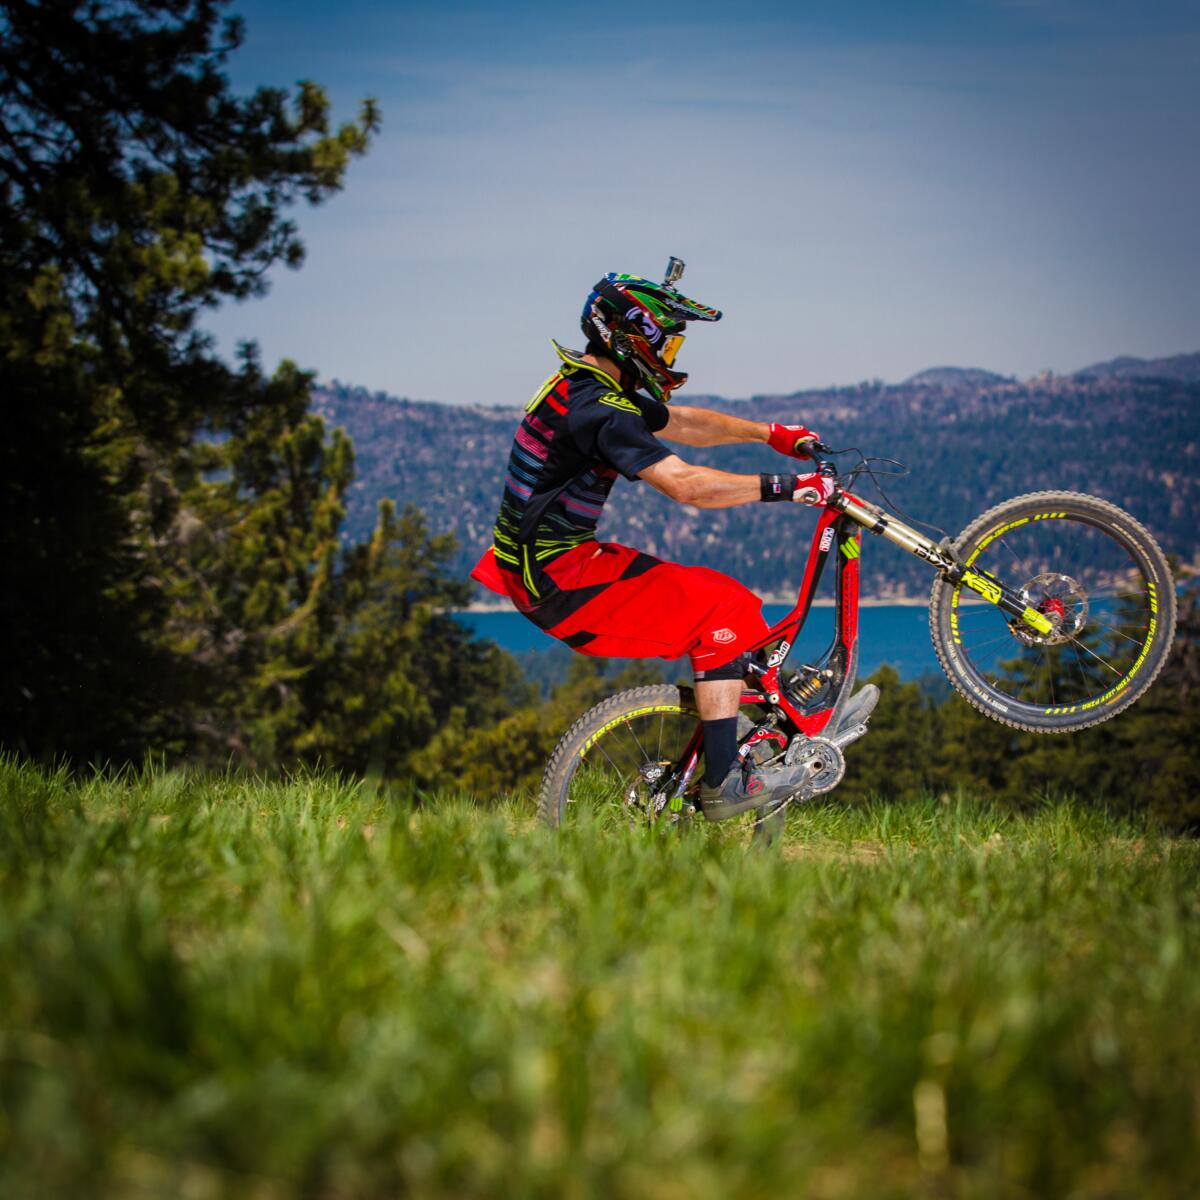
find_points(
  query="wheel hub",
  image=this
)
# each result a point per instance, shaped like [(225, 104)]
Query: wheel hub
[(1061, 600), (647, 792)]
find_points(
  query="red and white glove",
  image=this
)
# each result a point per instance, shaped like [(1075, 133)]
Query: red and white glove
[(813, 489), (792, 440)]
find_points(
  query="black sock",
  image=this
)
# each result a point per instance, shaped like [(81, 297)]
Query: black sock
[(720, 748)]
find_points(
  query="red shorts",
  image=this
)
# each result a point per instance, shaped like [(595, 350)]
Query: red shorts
[(615, 602)]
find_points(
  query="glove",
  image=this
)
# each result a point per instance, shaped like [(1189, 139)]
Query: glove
[(792, 440), (813, 489)]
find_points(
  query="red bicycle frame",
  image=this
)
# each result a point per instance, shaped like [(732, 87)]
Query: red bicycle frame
[(834, 529), (842, 520)]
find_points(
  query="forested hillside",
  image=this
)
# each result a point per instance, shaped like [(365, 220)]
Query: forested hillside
[(971, 438)]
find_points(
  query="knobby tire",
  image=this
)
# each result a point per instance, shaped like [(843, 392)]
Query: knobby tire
[(1088, 511)]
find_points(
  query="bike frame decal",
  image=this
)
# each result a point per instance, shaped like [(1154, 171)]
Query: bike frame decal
[(985, 585), (817, 555), (851, 542)]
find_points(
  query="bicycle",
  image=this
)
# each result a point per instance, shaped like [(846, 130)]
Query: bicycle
[(1050, 612)]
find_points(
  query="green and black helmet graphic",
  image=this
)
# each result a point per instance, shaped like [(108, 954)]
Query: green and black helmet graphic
[(641, 326)]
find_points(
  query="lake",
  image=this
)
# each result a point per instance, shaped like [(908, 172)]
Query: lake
[(896, 634)]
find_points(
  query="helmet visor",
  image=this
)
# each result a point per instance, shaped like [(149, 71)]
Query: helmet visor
[(670, 349)]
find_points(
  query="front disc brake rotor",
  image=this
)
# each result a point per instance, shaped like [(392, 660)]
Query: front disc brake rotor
[(1061, 600)]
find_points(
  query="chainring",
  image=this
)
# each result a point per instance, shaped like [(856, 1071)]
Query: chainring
[(825, 762)]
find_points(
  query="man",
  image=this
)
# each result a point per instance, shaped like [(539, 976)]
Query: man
[(593, 420)]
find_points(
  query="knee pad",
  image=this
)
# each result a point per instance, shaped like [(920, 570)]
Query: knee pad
[(734, 669)]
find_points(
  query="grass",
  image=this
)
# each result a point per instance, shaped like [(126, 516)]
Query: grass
[(218, 987)]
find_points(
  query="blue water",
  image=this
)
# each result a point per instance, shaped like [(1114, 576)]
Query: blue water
[(898, 635)]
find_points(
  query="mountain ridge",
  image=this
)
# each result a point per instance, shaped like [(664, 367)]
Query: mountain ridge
[(972, 440), (1185, 367)]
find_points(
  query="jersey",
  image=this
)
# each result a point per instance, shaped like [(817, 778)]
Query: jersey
[(580, 431)]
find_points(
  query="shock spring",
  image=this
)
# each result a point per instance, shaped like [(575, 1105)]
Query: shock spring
[(807, 688)]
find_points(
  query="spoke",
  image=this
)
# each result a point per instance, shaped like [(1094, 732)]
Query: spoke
[(1109, 593), (1050, 678), (1004, 637), (1114, 629), (645, 757), (1097, 657), (600, 747), (1079, 667), (1016, 557), (661, 722)]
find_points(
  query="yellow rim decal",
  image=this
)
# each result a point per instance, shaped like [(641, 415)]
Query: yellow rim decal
[(624, 717), (989, 537), (1114, 692)]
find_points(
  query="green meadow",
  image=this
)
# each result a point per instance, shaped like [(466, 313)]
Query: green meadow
[(217, 986)]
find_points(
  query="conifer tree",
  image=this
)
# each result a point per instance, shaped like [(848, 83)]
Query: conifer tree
[(136, 190)]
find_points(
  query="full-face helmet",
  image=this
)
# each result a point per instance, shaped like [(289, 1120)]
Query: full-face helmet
[(640, 325)]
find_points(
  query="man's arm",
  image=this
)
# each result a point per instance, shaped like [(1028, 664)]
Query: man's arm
[(704, 487), (703, 427)]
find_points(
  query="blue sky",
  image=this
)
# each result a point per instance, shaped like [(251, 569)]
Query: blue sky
[(866, 189)]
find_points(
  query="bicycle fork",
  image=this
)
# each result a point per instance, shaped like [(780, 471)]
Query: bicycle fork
[(939, 556)]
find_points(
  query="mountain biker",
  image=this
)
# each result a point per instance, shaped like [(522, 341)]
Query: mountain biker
[(596, 418)]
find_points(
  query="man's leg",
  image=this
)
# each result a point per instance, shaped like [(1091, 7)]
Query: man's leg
[(718, 698), (718, 693), (717, 701)]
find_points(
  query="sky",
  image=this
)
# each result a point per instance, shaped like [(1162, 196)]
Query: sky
[(866, 189)]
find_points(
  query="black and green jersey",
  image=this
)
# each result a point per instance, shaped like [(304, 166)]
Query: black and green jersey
[(579, 432)]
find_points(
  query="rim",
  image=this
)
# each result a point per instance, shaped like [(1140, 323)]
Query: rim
[(1099, 593), (631, 765)]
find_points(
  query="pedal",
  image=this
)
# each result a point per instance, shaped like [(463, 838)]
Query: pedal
[(853, 722)]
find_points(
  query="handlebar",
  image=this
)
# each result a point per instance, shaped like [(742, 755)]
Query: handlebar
[(821, 465)]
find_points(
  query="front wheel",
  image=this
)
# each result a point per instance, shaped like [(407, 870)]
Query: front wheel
[(1101, 581)]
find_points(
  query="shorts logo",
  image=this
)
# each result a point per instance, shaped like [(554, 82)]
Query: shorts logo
[(723, 635)]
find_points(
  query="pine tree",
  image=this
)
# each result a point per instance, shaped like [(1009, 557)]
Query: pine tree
[(136, 190)]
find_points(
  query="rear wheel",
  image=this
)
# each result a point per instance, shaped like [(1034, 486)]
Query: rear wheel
[(1106, 588), (624, 757)]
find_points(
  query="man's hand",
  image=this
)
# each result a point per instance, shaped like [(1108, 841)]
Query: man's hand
[(793, 440), (812, 489)]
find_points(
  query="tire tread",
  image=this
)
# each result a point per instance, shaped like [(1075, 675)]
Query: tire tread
[(942, 588), (560, 768)]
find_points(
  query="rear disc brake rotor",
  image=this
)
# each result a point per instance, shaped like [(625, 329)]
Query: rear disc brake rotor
[(647, 790)]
